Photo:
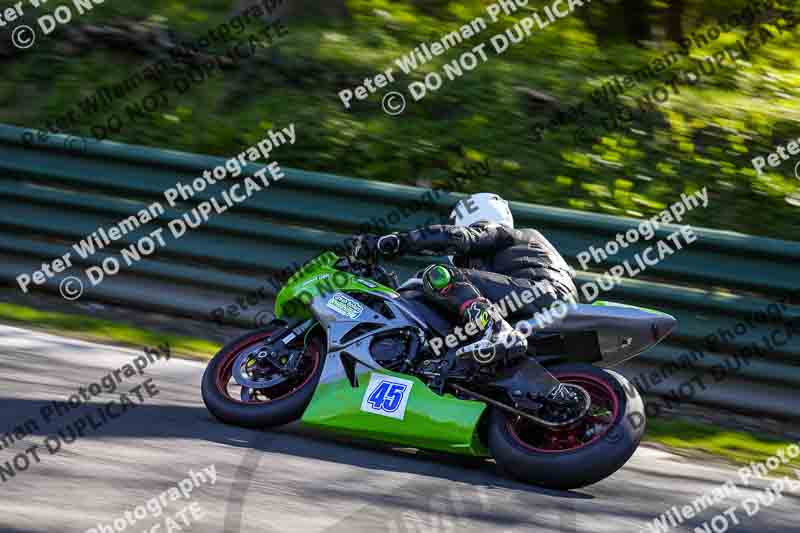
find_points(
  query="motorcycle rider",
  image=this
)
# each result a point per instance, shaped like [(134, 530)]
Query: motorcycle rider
[(490, 260)]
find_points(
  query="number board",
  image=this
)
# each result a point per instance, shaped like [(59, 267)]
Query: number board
[(387, 396)]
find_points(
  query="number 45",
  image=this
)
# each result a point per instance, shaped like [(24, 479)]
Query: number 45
[(387, 396)]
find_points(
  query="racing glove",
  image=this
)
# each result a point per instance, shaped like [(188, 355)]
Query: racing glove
[(390, 245), (368, 246)]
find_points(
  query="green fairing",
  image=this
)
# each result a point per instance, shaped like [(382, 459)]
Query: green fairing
[(432, 422), (318, 277)]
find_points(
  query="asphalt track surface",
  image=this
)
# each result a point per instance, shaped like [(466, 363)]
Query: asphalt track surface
[(291, 480)]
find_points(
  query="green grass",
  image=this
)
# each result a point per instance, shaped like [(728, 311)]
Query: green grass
[(105, 330), (736, 446)]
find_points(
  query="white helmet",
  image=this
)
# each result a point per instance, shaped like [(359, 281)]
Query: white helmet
[(482, 207)]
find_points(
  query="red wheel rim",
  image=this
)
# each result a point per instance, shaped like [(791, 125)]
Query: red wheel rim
[(279, 391), (574, 436)]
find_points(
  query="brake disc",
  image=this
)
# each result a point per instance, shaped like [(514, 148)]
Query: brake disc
[(241, 374)]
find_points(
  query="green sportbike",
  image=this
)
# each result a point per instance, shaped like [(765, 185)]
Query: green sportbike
[(349, 352)]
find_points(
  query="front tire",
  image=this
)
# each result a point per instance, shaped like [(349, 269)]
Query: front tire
[(269, 407), (582, 454)]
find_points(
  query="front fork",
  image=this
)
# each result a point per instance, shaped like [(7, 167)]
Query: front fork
[(278, 345), (294, 329)]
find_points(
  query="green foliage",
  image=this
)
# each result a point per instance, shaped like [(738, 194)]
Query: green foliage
[(736, 446), (76, 325), (703, 137)]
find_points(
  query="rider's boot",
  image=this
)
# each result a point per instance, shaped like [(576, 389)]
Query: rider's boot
[(495, 337)]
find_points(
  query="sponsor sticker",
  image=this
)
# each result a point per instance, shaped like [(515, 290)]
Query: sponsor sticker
[(344, 305), (387, 396)]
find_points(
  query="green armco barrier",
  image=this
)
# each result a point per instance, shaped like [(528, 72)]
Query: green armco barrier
[(57, 190)]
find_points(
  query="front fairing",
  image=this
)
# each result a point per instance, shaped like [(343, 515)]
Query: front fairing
[(319, 277), (341, 401)]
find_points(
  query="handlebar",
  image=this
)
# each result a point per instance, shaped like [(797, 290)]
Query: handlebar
[(363, 260), (363, 249)]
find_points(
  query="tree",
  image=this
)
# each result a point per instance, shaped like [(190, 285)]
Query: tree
[(637, 20), (297, 9), (674, 20)]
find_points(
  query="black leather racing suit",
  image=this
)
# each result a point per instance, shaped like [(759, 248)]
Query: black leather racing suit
[(493, 261)]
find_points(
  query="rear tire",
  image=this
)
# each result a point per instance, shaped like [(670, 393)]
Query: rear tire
[(584, 463), (281, 410)]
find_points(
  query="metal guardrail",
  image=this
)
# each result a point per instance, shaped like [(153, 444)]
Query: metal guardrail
[(52, 195)]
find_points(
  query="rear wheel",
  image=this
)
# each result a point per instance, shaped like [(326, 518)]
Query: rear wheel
[(239, 389), (581, 453)]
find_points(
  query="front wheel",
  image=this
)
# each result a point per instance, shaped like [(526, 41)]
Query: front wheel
[(237, 390), (582, 453)]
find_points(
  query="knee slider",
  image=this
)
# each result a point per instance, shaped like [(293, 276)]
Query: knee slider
[(437, 278)]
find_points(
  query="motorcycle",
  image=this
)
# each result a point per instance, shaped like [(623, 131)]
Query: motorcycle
[(349, 352)]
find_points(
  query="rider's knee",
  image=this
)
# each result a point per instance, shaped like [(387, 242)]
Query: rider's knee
[(437, 278)]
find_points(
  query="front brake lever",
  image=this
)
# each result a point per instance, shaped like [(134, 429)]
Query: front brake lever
[(355, 251)]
